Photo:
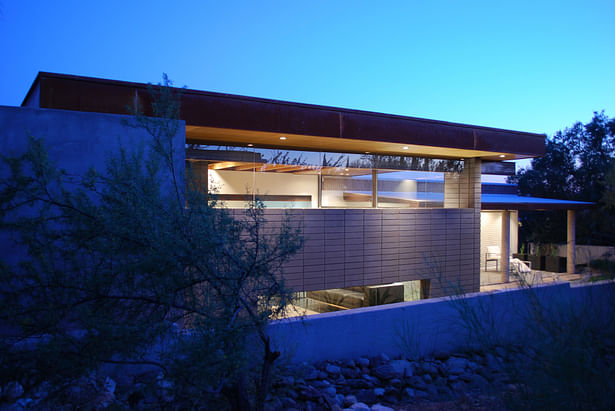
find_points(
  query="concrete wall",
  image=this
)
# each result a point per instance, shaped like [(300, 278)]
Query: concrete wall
[(420, 328), (586, 253), (75, 141)]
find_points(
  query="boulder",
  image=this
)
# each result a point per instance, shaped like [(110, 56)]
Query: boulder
[(456, 365), (359, 406), (402, 367), (333, 369), (386, 372)]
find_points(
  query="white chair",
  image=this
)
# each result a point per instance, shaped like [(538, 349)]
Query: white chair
[(493, 254)]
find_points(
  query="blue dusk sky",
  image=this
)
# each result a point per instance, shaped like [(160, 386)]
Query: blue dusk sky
[(534, 66)]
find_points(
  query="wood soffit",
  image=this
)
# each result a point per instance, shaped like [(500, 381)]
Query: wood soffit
[(225, 119)]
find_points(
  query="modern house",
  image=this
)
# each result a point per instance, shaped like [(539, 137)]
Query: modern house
[(383, 199)]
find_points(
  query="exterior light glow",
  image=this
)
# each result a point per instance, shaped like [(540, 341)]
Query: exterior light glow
[(250, 145), (367, 152), (345, 169), (502, 156), (282, 138), (405, 147)]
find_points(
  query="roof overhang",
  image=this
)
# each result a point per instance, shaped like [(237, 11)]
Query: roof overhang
[(225, 119)]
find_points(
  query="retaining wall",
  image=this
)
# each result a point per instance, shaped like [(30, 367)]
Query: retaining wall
[(421, 328)]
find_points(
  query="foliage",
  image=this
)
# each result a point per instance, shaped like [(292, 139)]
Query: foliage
[(567, 354), (120, 271), (578, 165)]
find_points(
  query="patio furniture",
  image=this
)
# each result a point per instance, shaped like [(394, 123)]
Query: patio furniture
[(524, 273), (493, 254)]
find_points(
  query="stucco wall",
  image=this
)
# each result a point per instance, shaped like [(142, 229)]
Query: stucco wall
[(75, 141), (420, 328)]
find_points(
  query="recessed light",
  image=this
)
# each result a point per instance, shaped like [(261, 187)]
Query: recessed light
[(250, 145), (282, 138), (367, 152), (405, 147), (345, 169), (502, 156)]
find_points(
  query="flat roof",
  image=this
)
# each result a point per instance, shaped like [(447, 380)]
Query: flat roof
[(517, 202), (217, 118)]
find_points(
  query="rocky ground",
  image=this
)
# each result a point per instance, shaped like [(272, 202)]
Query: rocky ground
[(460, 381), (445, 382)]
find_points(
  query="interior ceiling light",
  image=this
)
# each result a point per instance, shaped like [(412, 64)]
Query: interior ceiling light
[(282, 138), (345, 169), (367, 152), (502, 156), (250, 145), (405, 147)]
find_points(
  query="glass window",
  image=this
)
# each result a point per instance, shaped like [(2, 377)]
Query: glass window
[(304, 179)]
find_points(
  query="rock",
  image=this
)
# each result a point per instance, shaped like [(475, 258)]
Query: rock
[(339, 398), (351, 372), (467, 377), (320, 384), (333, 369), (109, 385), (409, 392), (493, 363), (485, 373), (359, 383), (429, 367), (309, 393), (379, 392), (391, 398), (427, 378), (473, 366), (12, 391), (420, 394), (359, 406), (288, 402), (478, 381), (322, 375), (273, 405), (458, 386), (378, 407), (366, 396), (363, 362), (349, 363), (349, 400), (402, 367), (288, 380), (386, 372), (443, 390), (370, 379), (330, 391), (456, 365), (417, 382), (432, 390), (311, 374), (395, 382)]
